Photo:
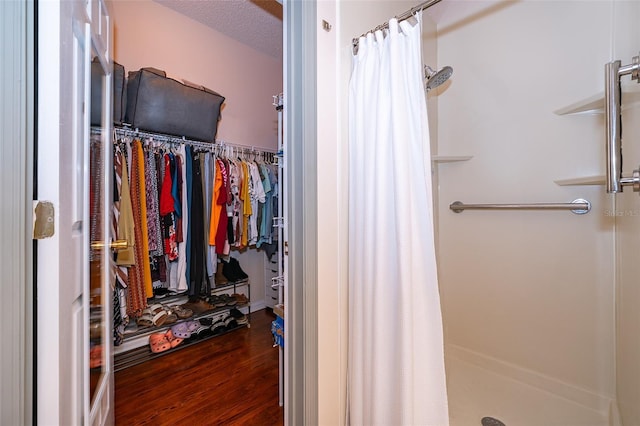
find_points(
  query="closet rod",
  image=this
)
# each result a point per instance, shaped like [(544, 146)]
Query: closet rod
[(409, 13), (134, 133), (578, 206)]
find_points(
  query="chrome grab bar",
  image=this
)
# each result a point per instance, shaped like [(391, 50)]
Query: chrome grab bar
[(613, 124), (579, 206)]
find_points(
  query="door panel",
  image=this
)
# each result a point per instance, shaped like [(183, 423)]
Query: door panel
[(75, 378), (77, 358), (101, 266)]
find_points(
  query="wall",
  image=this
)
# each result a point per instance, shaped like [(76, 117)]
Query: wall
[(149, 34), (626, 44), (531, 289), (332, 249)]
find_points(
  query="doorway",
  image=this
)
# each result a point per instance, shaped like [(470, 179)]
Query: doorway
[(198, 50), (55, 400)]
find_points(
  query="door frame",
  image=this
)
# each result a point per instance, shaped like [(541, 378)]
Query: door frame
[(300, 124), (17, 20)]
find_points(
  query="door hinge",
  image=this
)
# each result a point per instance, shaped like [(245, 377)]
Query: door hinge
[(43, 219)]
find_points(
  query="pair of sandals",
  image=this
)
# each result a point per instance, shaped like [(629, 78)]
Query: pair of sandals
[(203, 331), (182, 312), (240, 318), (157, 315), (160, 342), (185, 329), (198, 330), (222, 300), (240, 298)]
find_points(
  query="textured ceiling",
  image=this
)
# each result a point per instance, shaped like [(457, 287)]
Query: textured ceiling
[(256, 23)]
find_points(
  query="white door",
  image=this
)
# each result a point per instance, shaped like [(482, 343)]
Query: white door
[(74, 337)]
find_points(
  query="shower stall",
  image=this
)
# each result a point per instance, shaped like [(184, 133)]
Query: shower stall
[(538, 305), (541, 308)]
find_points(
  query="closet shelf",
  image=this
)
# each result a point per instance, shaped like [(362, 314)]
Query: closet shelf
[(586, 180), (595, 104), (180, 298), (146, 331), (143, 353), (450, 158), (139, 338), (231, 284)]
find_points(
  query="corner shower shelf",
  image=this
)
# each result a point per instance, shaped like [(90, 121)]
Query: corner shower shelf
[(450, 158), (586, 180), (595, 104)]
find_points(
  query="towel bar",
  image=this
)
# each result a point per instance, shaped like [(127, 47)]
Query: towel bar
[(578, 206)]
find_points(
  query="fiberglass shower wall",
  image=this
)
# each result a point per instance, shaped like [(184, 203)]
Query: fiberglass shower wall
[(626, 44), (527, 293)]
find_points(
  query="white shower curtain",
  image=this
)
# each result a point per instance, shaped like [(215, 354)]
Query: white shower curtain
[(396, 360)]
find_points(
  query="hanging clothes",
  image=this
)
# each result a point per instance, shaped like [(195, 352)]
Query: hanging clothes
[(257, 196), (188, 162), (207, 190), (122, 225), (182, 237), (179, 210), (246, 205), (216, 206), (199, 280), (123, 211), (211, 250), (151, 194), (221, 231), (269, 244), (236, 203), (137, 292), (267, 212), (146, 267), (167, 212)]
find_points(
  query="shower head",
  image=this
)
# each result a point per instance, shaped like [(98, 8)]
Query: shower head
[(436, 78)]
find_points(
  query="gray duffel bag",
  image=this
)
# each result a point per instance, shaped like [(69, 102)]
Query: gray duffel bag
[(119, 93), (163, 105)]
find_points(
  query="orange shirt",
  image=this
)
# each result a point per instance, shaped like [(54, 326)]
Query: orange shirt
[(215, 207)]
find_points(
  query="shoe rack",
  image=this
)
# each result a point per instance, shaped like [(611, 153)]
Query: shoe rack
[(135, 347)]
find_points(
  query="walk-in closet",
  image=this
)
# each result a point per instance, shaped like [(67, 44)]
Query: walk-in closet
[(198, 301)]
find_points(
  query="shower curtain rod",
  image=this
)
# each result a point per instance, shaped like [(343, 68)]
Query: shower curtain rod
[(409, 13)]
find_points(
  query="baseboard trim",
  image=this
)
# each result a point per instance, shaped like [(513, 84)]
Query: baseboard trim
[(578, 395), (258, 305)]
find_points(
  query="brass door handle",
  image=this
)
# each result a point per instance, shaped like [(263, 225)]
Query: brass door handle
[(116, 245)]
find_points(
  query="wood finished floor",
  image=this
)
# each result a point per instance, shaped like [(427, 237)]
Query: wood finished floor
[(226, 380)]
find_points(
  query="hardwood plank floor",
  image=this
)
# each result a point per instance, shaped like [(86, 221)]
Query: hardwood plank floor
[(226, 380)]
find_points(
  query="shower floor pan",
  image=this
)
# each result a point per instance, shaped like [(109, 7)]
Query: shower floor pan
[(475, 392)]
